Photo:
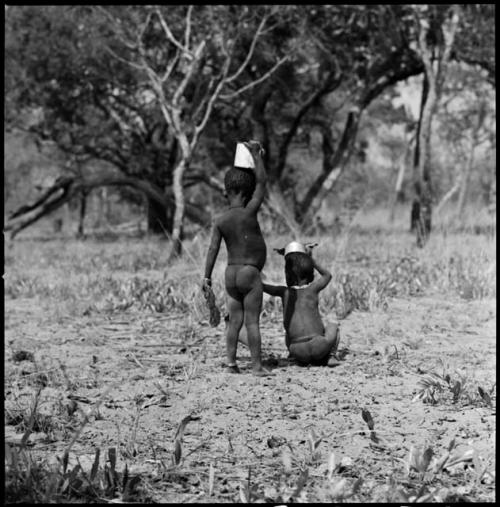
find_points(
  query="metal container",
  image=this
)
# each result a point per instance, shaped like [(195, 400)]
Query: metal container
[(295, 246), (243, 158)]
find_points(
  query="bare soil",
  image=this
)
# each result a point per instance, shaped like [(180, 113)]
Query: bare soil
[(151, 370)]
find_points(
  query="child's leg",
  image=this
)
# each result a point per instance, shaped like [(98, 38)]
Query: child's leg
[(234, 324), (252, 305), (317, 349), (324, 355), (250, 283), (301, 351), (242, 337), (332, 333), (235, 318)]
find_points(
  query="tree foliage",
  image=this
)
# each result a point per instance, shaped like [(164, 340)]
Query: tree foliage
[(149, 89)]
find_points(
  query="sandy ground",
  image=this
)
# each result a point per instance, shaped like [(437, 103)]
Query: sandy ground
[(160, 368)]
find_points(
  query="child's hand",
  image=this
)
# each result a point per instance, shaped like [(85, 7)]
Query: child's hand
[(255, 148), (211, 302), (309, 247), (207, 284)]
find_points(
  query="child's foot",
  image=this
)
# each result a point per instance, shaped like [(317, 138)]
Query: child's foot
[(340, 354), (332, 362), (271, 361), (232, 368), (262, 372), (336, 343)]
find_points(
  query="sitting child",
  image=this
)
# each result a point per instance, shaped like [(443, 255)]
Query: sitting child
[(246, 255), (306, 338)]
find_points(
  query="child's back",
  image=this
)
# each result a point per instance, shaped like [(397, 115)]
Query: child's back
[(241, 232), (300, 312)]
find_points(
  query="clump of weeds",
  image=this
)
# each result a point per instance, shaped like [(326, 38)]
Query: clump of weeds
[(434, 386), (29, 481)]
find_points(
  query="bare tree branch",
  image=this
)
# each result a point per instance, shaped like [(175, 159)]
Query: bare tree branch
[(123, 60), (203, 99), (331, 83), (208, 110), (59, 185), (194, 64), (187, 33), (170, 36), (143, 28), (157, 85), (117, 28), (424, 51), (250, 51), (257, 81), (171, 67)]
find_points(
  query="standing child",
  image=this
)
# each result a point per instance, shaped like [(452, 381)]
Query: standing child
[(306, 338), (246, 256)]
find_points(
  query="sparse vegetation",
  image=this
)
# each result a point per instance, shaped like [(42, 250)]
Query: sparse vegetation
[(127, 401)]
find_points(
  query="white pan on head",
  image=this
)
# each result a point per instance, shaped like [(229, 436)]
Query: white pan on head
[(295, 246)]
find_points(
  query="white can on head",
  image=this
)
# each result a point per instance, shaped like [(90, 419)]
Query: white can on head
[(243, 158)]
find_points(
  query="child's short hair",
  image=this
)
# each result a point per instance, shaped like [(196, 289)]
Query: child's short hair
[(238, 180), (298, 266)]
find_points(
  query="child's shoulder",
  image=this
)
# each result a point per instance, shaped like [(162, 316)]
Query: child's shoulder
[(224, 217)]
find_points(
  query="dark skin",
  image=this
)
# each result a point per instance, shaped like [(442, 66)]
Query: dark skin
[(301, 319), (246, 252)]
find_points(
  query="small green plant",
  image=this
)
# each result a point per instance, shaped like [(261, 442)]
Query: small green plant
[(40, 482), (433, 386)]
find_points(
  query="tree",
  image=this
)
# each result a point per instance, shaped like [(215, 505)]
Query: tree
[(436, 27), (90, 105), (348, 56), (468, 124), (475, 39), (163, 93), (204, 59), (124, 85)]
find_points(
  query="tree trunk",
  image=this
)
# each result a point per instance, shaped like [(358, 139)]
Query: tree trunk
[(65, 188), (470, 160), (260, 127), (177, 224), (396, 196), (81, 215), (492, 197), (422, 205), (435, 72), (277, 205), (333, 165), (159, 216), (453, 190), (415, 206), (105, 205), (464, 183), (424, 224)]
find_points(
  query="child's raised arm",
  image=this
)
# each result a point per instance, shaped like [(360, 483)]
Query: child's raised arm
[(260, 175), (325, 277), (213, 251)]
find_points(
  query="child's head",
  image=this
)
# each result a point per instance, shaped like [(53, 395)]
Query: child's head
[(299, 269), (240, 181)]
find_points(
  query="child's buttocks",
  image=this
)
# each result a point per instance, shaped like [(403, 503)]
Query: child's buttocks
[(241, 279)]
